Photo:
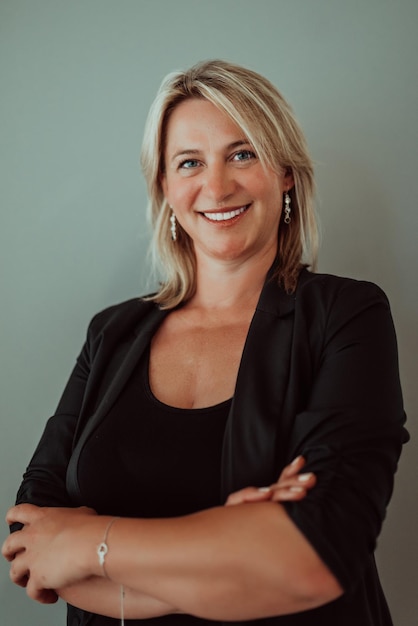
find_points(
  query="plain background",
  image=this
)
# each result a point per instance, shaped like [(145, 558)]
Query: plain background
[(76, 80)]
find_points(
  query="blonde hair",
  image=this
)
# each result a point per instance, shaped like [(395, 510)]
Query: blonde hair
[(267, 121)]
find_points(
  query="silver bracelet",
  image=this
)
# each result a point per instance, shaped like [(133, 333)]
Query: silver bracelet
[(102, 550)]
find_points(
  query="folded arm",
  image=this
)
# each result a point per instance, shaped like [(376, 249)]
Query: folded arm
[(257, 559), (100, 595), (227, 563)]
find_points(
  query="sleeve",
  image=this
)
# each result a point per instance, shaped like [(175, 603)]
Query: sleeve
[(44, 482), (351, 432)]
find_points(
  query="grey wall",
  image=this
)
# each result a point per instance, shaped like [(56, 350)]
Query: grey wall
[(76, 81)]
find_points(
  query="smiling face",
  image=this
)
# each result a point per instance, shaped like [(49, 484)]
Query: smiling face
[(223, 197)]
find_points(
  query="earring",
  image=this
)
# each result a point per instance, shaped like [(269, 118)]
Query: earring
[(173, 224), (287, 209)]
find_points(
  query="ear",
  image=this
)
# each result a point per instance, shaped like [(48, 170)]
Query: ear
[(289, 181)]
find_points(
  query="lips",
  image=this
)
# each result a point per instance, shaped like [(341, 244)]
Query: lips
[(224, 216)]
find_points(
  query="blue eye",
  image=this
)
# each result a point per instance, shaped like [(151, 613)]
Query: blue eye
[(244, 155), (189, 164)]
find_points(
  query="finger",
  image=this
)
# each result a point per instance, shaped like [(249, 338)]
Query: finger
[(306, 480), (44, 596), (12, 546), (23, 513), (249, 494), (293, 468), (293, 489), (19, 572), (20, 575), (289, 494)]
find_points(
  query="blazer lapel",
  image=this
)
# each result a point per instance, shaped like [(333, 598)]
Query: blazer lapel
[(128, 362), (252, 434), (253, 427)]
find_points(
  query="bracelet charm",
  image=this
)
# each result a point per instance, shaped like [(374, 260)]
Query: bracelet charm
[(102, 550)]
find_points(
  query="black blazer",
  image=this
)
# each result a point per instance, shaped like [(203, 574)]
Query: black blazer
[(318, 377)]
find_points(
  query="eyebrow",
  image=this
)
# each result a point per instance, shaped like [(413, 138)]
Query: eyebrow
[(190, 152)]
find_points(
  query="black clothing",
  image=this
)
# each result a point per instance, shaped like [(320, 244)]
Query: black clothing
[(120, 470), (318, 377), (124, 458)]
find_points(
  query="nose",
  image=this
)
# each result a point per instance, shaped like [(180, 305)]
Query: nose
[(219, 183)]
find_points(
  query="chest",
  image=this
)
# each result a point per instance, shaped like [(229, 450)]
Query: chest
[(143, 449), (196, 366)]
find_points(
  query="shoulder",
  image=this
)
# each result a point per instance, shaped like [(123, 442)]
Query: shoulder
[(122, 318), (326, 305), (325, 292)]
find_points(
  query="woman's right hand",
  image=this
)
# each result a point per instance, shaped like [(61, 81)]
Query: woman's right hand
[(290, 486)]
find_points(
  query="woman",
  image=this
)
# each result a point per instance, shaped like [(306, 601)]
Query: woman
[(203, 394)]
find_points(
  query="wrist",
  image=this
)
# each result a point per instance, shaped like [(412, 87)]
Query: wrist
[(104, 547)]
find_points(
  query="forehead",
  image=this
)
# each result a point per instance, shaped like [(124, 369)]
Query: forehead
[(198, 120)]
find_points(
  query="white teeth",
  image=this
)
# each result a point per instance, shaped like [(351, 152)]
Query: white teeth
[(220, 217)]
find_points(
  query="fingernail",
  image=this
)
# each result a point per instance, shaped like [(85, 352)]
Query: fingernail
[(297, 489), (264, 489), (305, 477), (295, 460)]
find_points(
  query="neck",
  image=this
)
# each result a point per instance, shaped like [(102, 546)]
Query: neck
[(230, 285)]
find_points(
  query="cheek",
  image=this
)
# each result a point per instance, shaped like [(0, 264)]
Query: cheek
[(272, 199), (267, 187), (181, 195)]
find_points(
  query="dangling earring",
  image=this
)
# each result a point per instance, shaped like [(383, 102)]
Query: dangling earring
[(287, 209), (173, 226)]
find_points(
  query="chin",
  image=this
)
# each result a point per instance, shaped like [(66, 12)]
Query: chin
[(231, 253)]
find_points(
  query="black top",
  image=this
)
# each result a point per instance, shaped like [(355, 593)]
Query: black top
[(148, 459), (318, 376)]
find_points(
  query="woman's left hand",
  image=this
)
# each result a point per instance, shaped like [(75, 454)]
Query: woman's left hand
[(291, 485), (50, 537)]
